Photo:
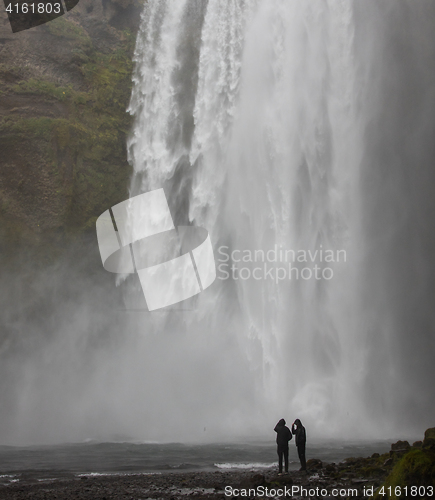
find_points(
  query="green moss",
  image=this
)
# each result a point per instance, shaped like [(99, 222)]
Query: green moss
[(45, 88), (371, 471), (83, 150), (65, 28), (417, 467), (40, 128), (9, 74)]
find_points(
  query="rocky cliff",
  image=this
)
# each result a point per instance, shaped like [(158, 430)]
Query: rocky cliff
[(64, 90)]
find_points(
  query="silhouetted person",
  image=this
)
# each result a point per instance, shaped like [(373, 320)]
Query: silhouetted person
[(283, 436), (301, 438)]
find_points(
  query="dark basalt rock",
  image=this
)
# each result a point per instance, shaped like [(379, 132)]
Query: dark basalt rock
[(400, 446), (257, 480), (429, 438), (314, 463)]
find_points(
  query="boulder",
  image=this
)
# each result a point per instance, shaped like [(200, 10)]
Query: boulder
[(284, 480), (429, 438), (400, 446), (314, 463), (257, 480), (253, 481)]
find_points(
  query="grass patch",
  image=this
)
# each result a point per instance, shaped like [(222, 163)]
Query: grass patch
[(65, 28), (40, 128), (416, 468), (46, 88)]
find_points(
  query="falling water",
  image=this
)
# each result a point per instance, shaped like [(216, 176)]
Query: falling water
[(257, 139), (279, 126)]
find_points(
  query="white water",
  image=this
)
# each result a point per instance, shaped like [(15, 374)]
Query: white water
[(272, 159), (274, 124)]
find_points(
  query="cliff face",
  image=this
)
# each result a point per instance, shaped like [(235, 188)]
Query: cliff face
[(64, 89)]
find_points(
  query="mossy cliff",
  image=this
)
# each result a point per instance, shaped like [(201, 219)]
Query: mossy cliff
[(415, 468), (64, 90)]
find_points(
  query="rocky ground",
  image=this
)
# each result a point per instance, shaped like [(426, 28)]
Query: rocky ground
[(353, 478), (200, 485)]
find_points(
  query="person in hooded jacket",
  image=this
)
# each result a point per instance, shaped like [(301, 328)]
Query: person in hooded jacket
[(283, 436), (301, 437)]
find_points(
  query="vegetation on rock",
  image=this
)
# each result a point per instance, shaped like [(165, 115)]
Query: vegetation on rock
[(415, 468), (63, 130)]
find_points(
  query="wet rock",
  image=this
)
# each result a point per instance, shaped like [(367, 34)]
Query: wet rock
[(253, 481), (399, 449), (400, 445), (257, 480), (388, 462), (429, 438), (359, 481), (284, 480), (314, 463)]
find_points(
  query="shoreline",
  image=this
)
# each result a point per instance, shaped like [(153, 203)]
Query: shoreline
[(350, 478), (175, 485)]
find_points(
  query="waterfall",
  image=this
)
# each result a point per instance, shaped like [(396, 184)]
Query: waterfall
[(299, 134), (247, 114)]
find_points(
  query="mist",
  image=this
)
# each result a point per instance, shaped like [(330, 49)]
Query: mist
[(297, 125)]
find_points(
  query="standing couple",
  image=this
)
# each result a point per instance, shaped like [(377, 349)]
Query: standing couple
[(284, 435)]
